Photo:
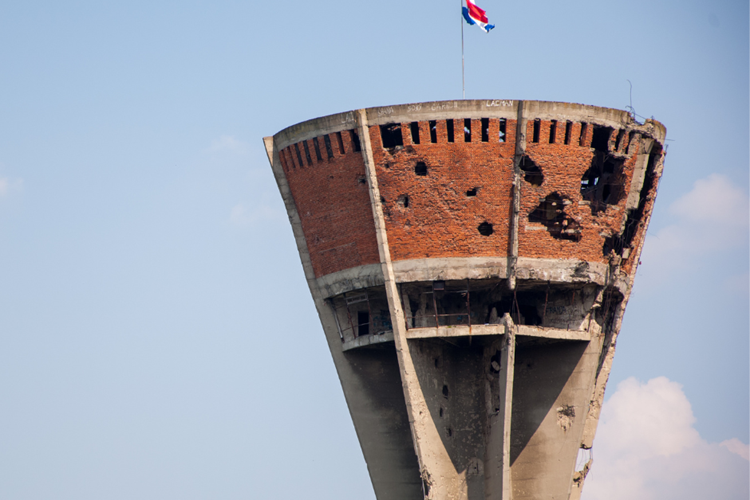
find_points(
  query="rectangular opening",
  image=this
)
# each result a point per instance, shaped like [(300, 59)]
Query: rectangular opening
[(307, 154), (317, 149), (299, 155), (552, 131), (363, 323), (340, 140), (329, 149), (433, 131), (391, 135), (286, 154), (355, 140), (449, 126), (537, 125), (414, 126), (568, 129), (467, 130), (618, 141), (485, 129), (582, 137), (502, 130)]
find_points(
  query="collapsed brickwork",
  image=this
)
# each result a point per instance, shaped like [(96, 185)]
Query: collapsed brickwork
[(471, 262)]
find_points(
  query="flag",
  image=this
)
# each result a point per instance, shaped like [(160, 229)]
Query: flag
[(475, 15)]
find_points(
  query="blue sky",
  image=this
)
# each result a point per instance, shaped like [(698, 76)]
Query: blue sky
[(157, 338)]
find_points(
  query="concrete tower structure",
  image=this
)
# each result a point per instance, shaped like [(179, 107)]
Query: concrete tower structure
[(471, 262)]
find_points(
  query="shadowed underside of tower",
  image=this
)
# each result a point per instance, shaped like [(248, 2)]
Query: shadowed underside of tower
[(471, 262)]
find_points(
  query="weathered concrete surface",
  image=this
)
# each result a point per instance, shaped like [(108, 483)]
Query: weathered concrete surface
[(471, 262)]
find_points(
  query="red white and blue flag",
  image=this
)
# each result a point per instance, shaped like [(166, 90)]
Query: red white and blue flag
[(475, 15)]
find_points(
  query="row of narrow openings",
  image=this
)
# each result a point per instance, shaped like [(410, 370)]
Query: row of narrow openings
[(554, 132), (391, 134), (599, 140), (304, 155)]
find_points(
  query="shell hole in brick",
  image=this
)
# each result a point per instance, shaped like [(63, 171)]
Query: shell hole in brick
[(420, 168), (446, 392), (403, 201), (467, 130), (551, 213), (361, 180), (433, 131), (602, 183), (485, 129), (552, 131), (501, 134), (472, 191), (329, 148), (355, 140), (600, 139), (532, 173), (537, 126), (414, 127), (568, 130), (449, 129), (391, 135), (485, 229)]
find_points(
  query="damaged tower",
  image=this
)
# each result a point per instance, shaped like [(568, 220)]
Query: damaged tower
[(471, 262)]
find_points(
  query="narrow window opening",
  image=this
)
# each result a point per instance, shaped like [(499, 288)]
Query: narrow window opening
[(299, 155), (441, 412), (341, 142), (446, 392), (317, 149), (355, 140), (433, 131), (472, 191), (363, 321), (414, 132), (449, 126), (307, 153), (552, 131), (618, 140), (391, 135), (450, 432), (568, 130), (329, 148), (420, 168), (532, 173), (584, 130), (502, 130), (485, 129), (289, 157), (537, 126), (485, 228), (600, 139), (467, 130)]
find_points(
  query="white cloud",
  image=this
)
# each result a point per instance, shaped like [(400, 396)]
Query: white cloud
[(228, 143), (242, 216), (647, 448)]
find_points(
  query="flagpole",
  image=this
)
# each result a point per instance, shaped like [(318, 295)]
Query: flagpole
[(463, 78)]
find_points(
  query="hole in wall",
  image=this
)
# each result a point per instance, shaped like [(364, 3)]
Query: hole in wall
[(600, 138), (355, 140), (551, 213), (299, 155), (446, 392), (618, 140), (449, 431), (485, 129), (568, 130), (391, 135), (317, 149), (532, 173), (485, 229), (501, 134), (441, 412), (329, 148), (307, 153), (438, 362), (552, 131), (467, 130), (420, 168), (414, 126), (584, 131), (340, 140), (403, 201), (433, 131), (472, 191), (363, 323), (449, 129), (537, 126), (602, 183), (361, 180)]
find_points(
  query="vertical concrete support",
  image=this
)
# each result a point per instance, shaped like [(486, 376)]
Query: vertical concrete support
[(516, 208), (497, 462)]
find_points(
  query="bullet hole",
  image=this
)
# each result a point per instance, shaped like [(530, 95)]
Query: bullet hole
[(537, 126), (438, 362), (355, 140), (433, 131), (532, 173), (485, 129), (552, 131), (467, 130), (403, 201), (568, 130), (485, 228), (420, 168), (340, 140), (551, 213), (307, 153), (502, 130), (565, 416), (584, 130), (299, 156), (361, 180), (329, 148), (472, 191), (441, 412), (602, 183), (391, 135), (446, 393), (317, 149), (414, 127), (449, 127), (449, 431), (600, 139), (382, 199)]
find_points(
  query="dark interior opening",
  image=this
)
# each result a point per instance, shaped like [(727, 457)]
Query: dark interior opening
[(485, 129), (602, 183), (467, 130), (299, 156), (502, 130), (363, 323), (551, 213), (414, 126), (391, 135), (403, 200), (532, 173), (340, 140), (307, 153), (317, 149), (568, 130), (537, 126), (420, 168), (485, 228), (618, 140), (600, 139), (449, 127), (355, 140), (433, 131), (329, 149), (472, 191), (552, 131), (584, 130)]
